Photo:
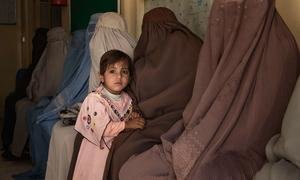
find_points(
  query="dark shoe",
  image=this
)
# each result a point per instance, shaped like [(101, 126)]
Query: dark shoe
[(30, 174), (23, 174), (25, 156), (8, 156)]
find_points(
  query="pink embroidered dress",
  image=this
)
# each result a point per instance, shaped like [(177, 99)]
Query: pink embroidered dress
[(102, 117)]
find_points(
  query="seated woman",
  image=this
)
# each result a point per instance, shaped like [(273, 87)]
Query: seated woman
[(165, 61)]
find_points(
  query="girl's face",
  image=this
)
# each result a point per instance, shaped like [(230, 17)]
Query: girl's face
[(116, 77)]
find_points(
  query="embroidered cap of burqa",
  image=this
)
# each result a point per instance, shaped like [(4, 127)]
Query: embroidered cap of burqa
[(248, 66), (165, 66)]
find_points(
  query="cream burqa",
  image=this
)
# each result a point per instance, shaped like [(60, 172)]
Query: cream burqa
[(165, 60), (247, 69), (44, 81), (48, 72), (110, 33)]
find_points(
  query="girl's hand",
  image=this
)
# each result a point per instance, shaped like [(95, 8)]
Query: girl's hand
[(135, 123), (134, 115)]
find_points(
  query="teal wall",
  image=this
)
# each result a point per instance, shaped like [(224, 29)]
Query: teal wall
[(81, 10)]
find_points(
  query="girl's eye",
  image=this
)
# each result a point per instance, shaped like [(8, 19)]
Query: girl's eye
[(112, 71), (125, 71)]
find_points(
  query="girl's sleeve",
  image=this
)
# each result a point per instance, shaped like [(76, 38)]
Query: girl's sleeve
[(92, 119), (114, 128)]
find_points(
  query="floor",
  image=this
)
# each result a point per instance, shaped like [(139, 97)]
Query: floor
[(8, 168)]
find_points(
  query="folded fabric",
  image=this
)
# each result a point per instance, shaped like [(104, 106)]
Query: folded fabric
[(69, 114), (288, 145), (281, 170)]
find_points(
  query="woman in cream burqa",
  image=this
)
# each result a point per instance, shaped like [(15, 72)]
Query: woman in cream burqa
[(165, 61), (247, 69)]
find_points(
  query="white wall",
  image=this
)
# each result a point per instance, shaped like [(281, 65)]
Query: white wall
[(290, 12), (194, 13), (133, 12)]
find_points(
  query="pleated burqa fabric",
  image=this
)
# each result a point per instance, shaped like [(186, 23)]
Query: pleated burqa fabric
[(165, 61), (247, 70), (110, 33)]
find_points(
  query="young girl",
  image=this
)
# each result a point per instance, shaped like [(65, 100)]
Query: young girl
[(104, 114)]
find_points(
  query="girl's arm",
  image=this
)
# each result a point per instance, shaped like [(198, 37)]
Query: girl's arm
[(136, 121), (114, 128)]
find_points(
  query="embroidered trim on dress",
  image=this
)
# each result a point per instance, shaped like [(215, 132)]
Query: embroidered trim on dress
[(122, 118)]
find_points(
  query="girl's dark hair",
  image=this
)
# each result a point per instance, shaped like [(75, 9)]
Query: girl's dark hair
[(113, 56)]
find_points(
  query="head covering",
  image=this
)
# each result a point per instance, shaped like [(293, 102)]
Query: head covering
[(48, 72), (165, 60), (110, 33)]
